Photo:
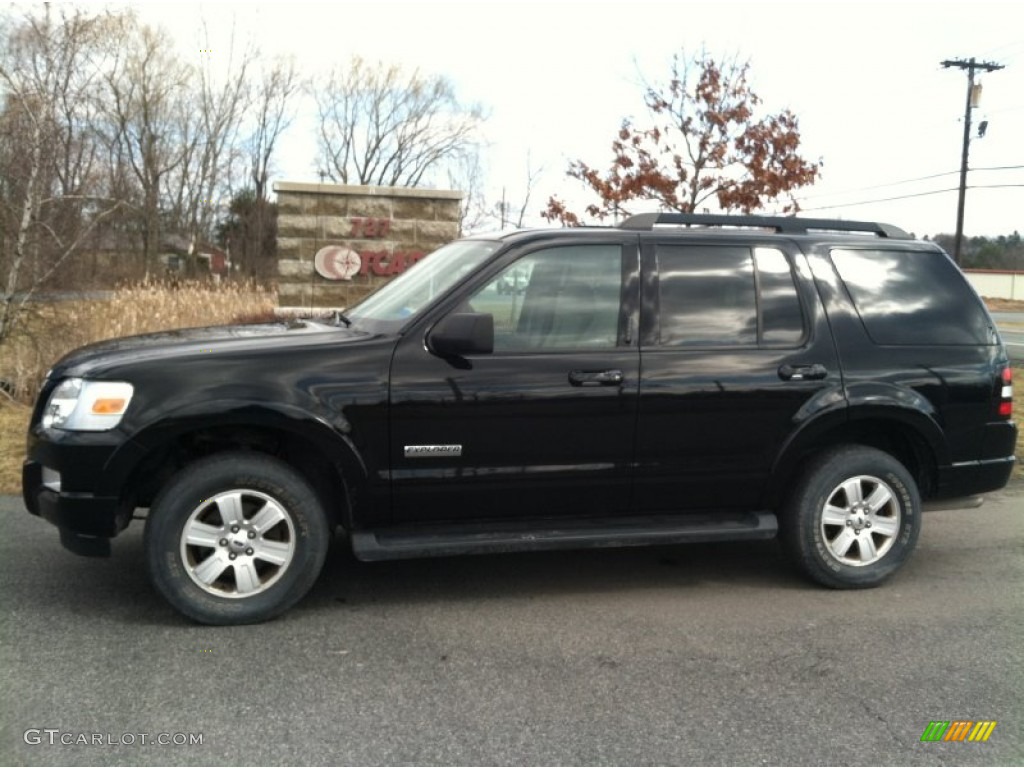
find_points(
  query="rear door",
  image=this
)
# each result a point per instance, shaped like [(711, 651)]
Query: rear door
[(734, 348), (544, 425)]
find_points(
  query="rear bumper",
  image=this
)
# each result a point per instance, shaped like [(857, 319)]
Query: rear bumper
[(989, 472), (971, 478)]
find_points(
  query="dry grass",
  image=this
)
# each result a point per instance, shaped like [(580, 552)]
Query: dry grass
[(1018, 416), (13, 426), (1004, 305), (49, 331)]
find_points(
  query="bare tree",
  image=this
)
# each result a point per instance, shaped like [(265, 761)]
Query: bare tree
[(466, 174), (275, 90), (210, 128), (145, 96), (480, 213), (48, 204), (532, 174), (111, 138), (381, 125)]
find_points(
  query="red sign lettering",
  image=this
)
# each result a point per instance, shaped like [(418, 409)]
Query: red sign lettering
[(374, 262), (366, 229)]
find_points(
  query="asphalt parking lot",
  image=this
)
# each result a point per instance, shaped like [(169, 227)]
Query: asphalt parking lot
[(688, 655)]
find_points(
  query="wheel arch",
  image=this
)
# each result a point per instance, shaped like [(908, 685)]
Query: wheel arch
[(324, 456), (912, 437)]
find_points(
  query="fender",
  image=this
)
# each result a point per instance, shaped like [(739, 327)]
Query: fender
[(863, 403), (893, 402), (333, 440)]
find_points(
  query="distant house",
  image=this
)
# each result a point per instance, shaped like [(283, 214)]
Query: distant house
[(178, 252), (217, 261)]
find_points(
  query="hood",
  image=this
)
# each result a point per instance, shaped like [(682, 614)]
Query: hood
[(194, 342)]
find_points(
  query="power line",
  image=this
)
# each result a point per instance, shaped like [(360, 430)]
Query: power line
[(910, 181), (880, 200), (883, 186), (909, 197), (1016, 108), (995, 186), (1013, 46)]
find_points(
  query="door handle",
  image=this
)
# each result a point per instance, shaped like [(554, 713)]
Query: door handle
[(595, 378), (810, 372)]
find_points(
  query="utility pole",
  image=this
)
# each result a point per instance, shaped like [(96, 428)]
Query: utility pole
[(971, 65)]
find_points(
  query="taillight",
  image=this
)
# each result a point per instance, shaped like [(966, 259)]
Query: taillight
[(1006, 393)]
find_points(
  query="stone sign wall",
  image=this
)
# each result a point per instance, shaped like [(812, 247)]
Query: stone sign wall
[(336, 243)]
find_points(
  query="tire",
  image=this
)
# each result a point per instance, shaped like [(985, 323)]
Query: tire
[(236, 538), (853, 519)]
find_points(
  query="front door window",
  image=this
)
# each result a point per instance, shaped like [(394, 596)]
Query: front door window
[(556, 299)]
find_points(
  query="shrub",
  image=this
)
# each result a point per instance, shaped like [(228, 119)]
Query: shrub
[(48, 331)]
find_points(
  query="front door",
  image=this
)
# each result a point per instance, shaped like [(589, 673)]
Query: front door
[(544, 425)]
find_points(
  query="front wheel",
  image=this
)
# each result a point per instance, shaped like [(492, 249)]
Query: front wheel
[(853, 519), (236, 538)]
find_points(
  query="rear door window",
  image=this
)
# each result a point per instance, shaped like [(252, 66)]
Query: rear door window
[(727, 296)]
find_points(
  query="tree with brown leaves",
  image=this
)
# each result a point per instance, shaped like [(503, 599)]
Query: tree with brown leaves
[(706, 148)]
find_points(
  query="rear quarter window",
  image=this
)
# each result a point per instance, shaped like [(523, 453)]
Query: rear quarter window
[(912, 298)]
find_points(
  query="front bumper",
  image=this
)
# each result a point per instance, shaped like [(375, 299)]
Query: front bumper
[(80, 512), (85, 502)]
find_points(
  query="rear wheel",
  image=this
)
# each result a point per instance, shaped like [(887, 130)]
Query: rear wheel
[(853, 519), (236, 538)]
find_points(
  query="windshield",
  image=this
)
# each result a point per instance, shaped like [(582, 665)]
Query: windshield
[(390, 307)]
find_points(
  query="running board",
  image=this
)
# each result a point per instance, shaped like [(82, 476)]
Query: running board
[(479, 538)]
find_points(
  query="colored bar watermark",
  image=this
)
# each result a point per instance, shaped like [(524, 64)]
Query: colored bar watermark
[(959, 730)]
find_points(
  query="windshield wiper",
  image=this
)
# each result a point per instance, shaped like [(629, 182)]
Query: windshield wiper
[(340, 318)]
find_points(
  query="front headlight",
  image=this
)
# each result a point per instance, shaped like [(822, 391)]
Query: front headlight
[(88, 406)]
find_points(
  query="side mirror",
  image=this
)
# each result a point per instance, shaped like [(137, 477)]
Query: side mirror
[(464, 333)]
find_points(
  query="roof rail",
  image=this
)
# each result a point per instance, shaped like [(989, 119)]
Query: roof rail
[(789, 225)]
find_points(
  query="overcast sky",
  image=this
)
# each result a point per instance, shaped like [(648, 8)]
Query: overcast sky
[(556, 78)]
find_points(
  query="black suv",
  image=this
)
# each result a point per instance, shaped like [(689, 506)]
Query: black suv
[(677, 378)]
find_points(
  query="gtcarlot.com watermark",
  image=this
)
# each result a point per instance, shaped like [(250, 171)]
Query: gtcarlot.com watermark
[(56, 737)]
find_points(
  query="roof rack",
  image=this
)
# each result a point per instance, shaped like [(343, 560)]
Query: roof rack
[(789, 225)]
